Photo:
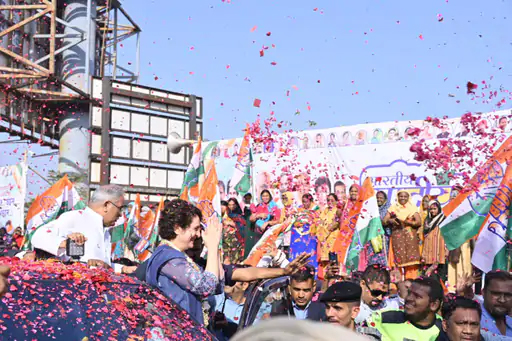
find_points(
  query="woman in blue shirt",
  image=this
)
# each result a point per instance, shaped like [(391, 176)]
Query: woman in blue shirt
[(171, 270)]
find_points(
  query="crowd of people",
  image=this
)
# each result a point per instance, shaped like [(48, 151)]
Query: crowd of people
[(406, 286)]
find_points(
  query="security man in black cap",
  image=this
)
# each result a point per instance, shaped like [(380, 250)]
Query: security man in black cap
[(342, 300)]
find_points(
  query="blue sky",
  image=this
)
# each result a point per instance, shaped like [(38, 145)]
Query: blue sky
[(350, 61)]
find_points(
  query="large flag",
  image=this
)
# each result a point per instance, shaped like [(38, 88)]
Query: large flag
[(209, 196), (491, 245), (267, 240), (368, 225), (147, 228), (132, 222), (59, 198), (241, 179), (466, 213), (193, 177)]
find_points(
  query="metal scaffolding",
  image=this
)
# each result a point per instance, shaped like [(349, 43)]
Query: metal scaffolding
[(33, 39), (112, 32)]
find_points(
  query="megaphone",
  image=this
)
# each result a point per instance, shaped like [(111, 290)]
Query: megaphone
[(175, 143)]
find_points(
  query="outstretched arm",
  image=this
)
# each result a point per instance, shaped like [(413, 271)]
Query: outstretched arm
[(254, 273)]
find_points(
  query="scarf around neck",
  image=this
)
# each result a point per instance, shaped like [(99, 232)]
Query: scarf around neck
[(432, 222)]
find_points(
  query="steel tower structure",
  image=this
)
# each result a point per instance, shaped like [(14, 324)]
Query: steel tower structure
[(53, 53)]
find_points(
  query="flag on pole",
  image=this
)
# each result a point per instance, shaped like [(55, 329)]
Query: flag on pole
[(59, 198), (368, 225), (148, 234), (241, 179), (269, 238), (491, 245), (193, 177), (209, 196), (132, 221), (466, 213)]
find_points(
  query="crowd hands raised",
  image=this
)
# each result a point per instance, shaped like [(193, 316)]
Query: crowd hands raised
[(402, 296)]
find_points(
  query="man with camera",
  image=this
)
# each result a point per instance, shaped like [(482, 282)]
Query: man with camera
[(85, 234)]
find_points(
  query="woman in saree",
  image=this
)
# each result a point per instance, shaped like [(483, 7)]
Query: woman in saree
[(404, 220), (262, 217), (288, 212), (423, 215), (266, 213), (434, 249), (303, 238), (328, 226), (233, 242)]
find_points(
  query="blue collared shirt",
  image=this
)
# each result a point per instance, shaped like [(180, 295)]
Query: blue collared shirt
[(300, 314), (230, 308), (489, 323)]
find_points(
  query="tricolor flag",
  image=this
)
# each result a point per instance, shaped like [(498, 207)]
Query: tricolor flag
[(59, 198), (491, 245), (209, 196), (148, 236), (269, 238), (367, 224), (132, 221), (193, 177), (241, 179), (466, 213)]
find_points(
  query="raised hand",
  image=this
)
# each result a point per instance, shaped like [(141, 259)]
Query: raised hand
[(465, 284), (213, 233), (297, 264)]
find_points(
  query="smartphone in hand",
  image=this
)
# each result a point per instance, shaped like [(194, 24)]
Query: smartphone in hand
[(333, 258), (74, 250)]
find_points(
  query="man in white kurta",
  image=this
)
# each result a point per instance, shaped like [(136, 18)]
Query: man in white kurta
[(90, 226)]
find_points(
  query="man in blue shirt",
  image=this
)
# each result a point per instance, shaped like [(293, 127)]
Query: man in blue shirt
[(497, 303), (300, 304), (462, 320), (228, 308)]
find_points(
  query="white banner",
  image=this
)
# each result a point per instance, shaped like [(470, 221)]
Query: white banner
[(330, 160), (13, 188)]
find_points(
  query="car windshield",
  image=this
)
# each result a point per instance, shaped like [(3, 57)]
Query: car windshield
[(78, 304), (265, 299)]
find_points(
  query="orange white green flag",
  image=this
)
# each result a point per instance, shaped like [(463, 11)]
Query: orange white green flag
[(209, 196), (466, 213), (148, 241), (194, 176), (362, 226), (491, 251), (59, 198), (367, 225), (241, 179)]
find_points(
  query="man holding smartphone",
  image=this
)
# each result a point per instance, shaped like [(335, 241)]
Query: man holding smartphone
[(88, 229)]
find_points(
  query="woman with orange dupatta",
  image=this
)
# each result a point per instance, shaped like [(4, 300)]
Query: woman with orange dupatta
[(404, 220), (328, 226), (347, 226)]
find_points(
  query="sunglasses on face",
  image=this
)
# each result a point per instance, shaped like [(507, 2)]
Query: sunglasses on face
[(377, 292)]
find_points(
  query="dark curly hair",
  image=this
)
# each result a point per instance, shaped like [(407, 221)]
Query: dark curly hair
[(176, 213)]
